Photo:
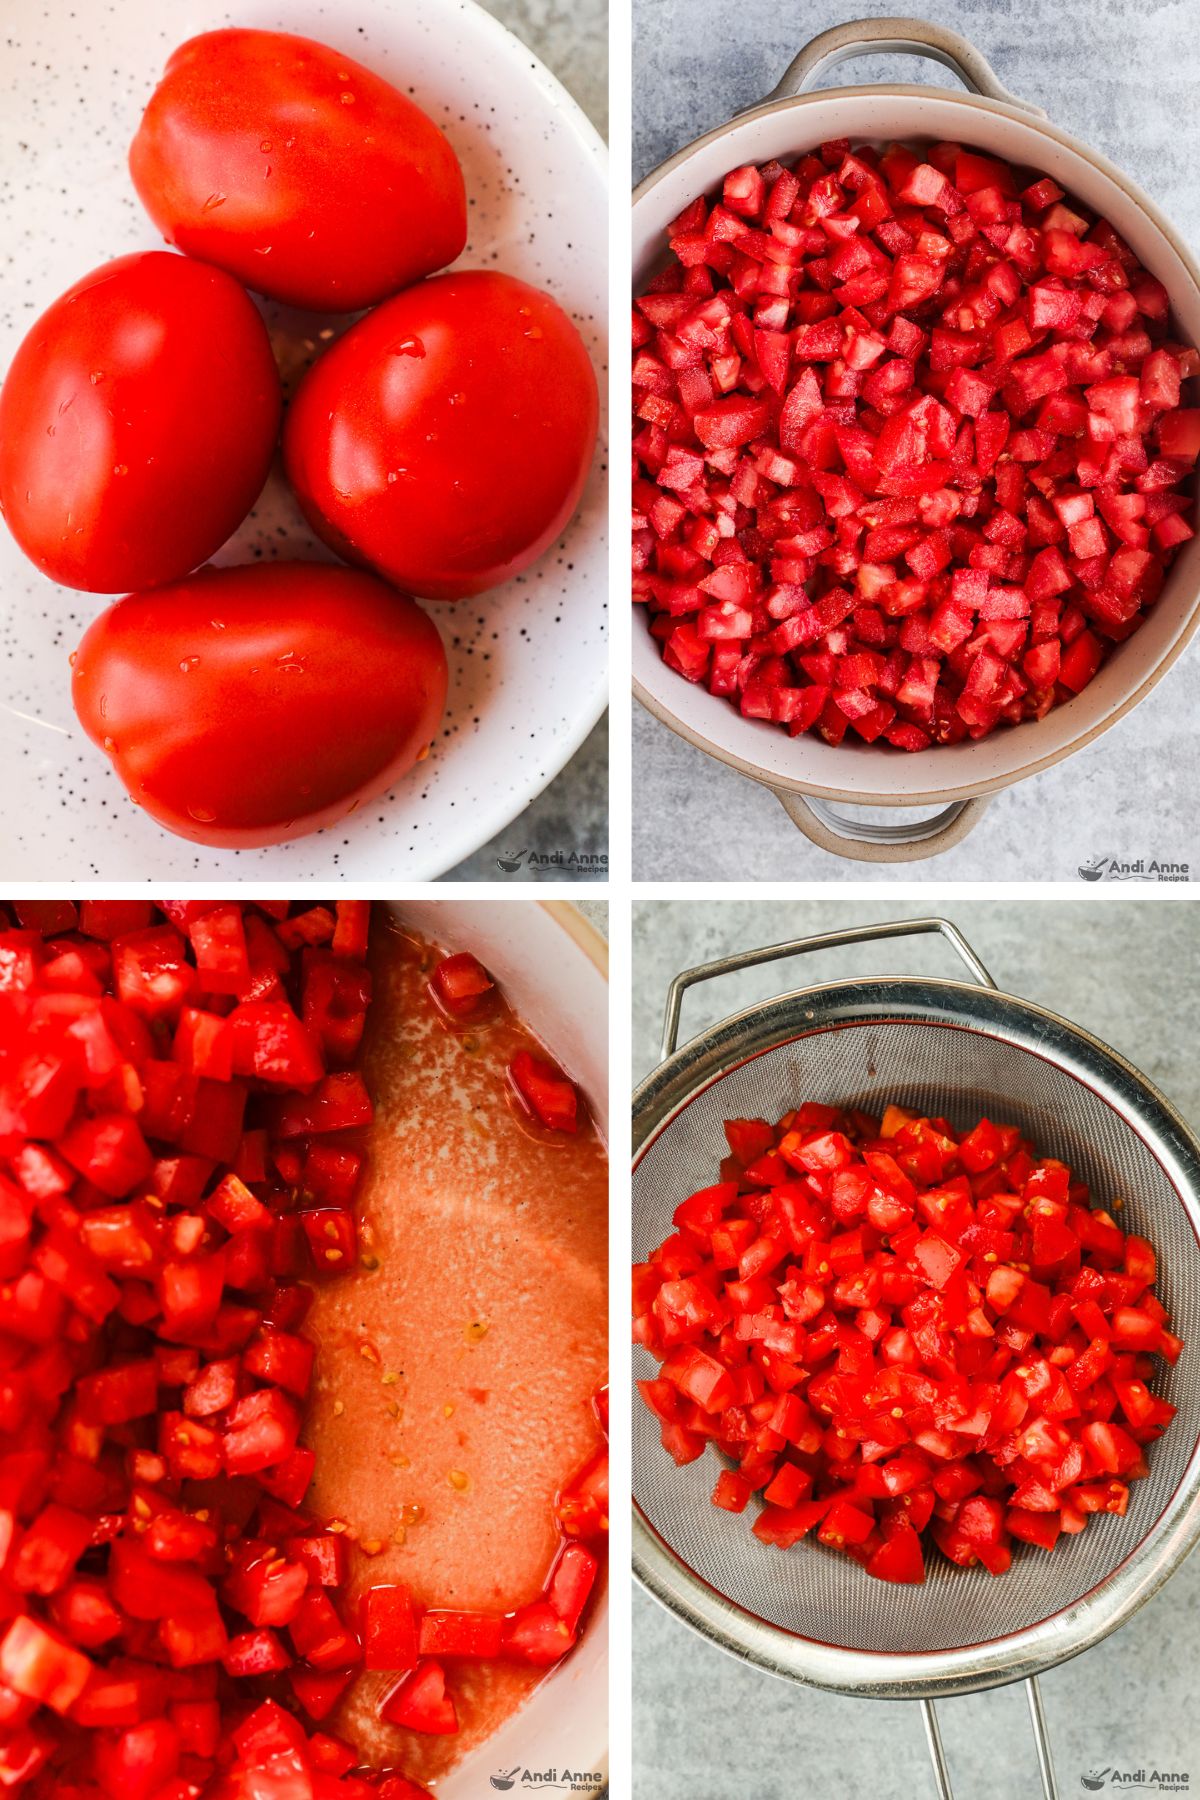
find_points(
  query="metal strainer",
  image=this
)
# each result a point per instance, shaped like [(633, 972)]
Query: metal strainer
[(958, 1049)]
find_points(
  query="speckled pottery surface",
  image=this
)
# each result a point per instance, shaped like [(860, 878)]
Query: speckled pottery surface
[(528, 662)]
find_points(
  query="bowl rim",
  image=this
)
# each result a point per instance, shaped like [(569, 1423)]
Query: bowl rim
[(652, 698)]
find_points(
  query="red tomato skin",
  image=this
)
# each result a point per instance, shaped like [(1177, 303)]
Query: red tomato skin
[(445, 440), (137, 423), (248, 706), (250, 155)]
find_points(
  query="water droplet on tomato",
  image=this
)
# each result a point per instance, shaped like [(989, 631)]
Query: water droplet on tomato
[(535, 331), (458, 399), (213, 201), (188, 664), (71, 658), (261, 250), (409, 347), (110, 745), (346, 99), (120, 469), (201, 815), (97, 376)]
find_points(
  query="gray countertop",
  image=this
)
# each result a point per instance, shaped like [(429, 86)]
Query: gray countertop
[(571, 815), (1119, 77), (708, 1728)]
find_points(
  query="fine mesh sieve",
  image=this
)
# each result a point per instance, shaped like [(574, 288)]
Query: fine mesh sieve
[(961, 1050)]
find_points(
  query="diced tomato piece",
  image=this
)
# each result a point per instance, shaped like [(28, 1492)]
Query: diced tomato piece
[(272, 1044), (420, 1702), (461, 1633), (898, 1558), (545, 1091), (49, 1549), (536, 1634), (337, 1103), (42, 1666), (320, 1636), (461, 985), (571, 1584), (390, 1636)]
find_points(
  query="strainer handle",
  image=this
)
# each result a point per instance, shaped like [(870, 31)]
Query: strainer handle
[(826, 940), (1041, 1737)]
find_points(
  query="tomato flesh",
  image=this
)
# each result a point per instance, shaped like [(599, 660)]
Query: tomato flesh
[(545, 1092), (913, 449), (898, 1333)]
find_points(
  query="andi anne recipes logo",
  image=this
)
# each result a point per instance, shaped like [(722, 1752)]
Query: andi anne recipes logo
[(547, 862), (1129, 1781), (531, 1781), (1142, 868)]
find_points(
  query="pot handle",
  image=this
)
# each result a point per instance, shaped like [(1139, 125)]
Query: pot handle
[(896, 37), (859, 840), (826, 940)]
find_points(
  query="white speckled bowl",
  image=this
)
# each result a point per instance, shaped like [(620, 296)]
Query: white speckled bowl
[(528, 662)]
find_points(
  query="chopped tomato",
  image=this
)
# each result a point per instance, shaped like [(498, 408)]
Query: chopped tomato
[(461, 985), (892, 1328), (545, 1092), (421, 1702), (913, 450), (461, 1633), (389, 1629)]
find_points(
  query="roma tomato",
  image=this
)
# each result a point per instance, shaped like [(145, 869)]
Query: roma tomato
[(137, 423), (446, 438), (302, 173), (251, 705)]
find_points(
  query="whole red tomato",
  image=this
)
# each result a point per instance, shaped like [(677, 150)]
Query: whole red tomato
[(446, 438), (299, 171), (137, 423), (251, 705)]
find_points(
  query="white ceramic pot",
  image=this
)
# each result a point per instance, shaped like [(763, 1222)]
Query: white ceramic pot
[(552, 966), (806, 773)]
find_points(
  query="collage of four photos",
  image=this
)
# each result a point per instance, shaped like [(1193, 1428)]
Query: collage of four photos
[(471, 1006)]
